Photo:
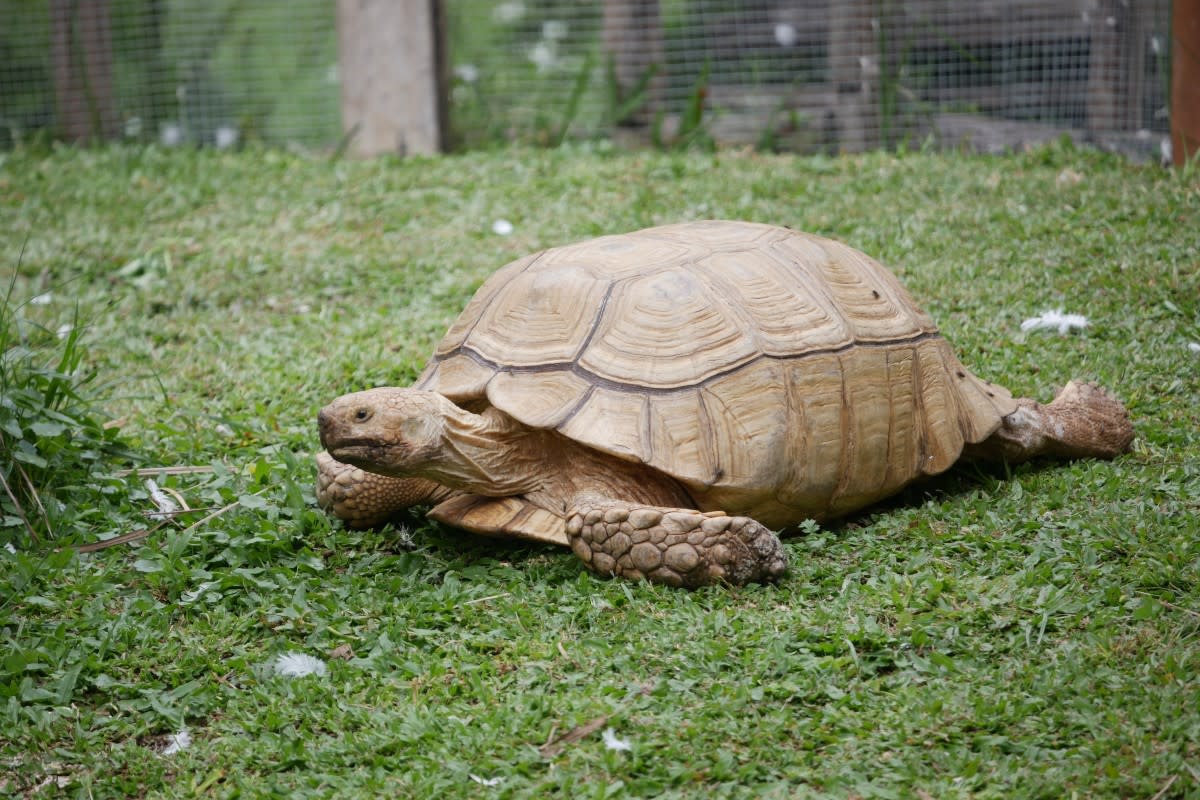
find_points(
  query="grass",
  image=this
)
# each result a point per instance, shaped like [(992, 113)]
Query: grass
[(1032, 634)]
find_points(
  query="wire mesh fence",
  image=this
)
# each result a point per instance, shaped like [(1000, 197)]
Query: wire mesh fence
[(815, 74), (176, 71), (801, 75)]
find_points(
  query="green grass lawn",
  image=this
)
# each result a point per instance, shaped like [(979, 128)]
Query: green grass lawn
[(1031, 634)]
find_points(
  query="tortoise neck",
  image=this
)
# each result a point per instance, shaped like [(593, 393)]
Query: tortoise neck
[(489, 454)]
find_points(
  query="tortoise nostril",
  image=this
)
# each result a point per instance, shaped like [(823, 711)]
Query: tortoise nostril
[(322, 419)]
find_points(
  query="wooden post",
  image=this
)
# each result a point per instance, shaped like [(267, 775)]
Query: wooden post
[(1111, 92), (1185, 80), (633, 40), (854, 66), (81, 48), (391, 63)]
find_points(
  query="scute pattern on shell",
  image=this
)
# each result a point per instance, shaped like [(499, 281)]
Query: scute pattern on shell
[(754, 364)]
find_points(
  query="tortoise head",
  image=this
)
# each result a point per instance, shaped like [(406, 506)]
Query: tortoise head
[(389, 431)]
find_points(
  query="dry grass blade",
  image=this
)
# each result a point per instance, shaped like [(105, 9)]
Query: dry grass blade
[(124, 538), (18, 508), (1166, 787), (151, 471), (478, 600), (37, 500), (578, 733), (134, 536), (183, 505)]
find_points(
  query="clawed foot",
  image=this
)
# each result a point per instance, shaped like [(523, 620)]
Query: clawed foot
[(677, 547)]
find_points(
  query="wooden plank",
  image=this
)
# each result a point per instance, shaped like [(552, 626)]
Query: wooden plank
[(1185, 80), (391, 62)]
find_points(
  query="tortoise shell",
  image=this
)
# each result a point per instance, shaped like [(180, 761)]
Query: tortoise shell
[(772, 371)]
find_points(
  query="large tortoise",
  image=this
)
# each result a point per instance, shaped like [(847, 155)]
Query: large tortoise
[(661, 400)]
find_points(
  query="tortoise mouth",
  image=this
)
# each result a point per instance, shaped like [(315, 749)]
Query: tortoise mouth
[(360, 453)]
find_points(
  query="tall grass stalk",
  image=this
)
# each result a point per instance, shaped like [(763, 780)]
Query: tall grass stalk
[(51, 431)]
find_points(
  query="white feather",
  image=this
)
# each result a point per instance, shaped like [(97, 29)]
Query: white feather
[(177, 741), (297, 665), (1055, 319), (613, 743), (165, 505)]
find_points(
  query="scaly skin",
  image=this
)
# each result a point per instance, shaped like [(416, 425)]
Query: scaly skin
[(675, 546)]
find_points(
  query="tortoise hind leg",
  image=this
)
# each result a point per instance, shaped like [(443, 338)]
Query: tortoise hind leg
[(365, 500), (1084, 421), (678, 547)]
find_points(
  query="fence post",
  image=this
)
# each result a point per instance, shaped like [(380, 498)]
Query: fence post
[(1113, 96), (854, 66), (1185, 80), (633, 39), (81, 47), (391, 65)]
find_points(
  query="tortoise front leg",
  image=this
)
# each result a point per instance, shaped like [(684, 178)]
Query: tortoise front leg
[(678, 547), (365, 500)]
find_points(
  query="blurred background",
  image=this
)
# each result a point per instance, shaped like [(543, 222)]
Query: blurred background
[(803, 76)]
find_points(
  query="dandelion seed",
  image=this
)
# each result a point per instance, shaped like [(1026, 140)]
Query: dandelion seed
[(502, 227), (64, 330), (43, 299), (1055, 319), (467, 73), (542, 54), (298, 665), (786, 34), (224, 430), (613, 743), (1193, 346), (171, 135), (554, 29), (508, 12), (485, 781), (176, 742), (9, 547), (165, 505), (226, 136)]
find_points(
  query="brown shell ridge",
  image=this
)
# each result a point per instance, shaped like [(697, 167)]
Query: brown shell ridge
[(587, 341), (531, 260), (622, 386)]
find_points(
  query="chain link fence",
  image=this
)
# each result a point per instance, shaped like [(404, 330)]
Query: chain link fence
[(804, 75)]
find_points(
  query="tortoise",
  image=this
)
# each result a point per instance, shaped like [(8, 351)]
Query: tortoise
[(661, 400)]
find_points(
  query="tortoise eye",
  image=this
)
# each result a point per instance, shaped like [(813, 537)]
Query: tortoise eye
[(361, 414)]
